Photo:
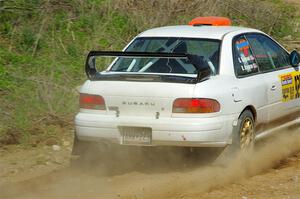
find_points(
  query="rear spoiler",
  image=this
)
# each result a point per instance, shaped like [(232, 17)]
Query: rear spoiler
[(197, 61)]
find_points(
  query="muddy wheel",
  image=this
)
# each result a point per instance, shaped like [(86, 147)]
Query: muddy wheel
[(244, 135), (243, 138)]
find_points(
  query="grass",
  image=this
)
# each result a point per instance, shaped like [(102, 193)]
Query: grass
[(43, 45)]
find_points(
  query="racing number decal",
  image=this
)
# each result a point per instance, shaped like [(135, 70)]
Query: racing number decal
[(290, 84), (297, 85)]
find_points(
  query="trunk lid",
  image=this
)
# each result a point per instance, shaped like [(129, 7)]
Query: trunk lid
[(147, 99)]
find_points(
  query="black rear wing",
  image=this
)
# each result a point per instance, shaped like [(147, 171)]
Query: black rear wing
[(198, 63)]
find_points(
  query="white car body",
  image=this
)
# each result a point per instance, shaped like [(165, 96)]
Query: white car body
[(149, 104)]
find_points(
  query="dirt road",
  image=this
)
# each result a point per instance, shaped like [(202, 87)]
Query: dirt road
[(267, 173)]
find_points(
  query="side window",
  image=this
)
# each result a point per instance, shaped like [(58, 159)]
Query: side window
[(268, 53), (244, 61)]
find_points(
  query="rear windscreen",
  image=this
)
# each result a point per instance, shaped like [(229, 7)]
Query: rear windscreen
[(208, 50)]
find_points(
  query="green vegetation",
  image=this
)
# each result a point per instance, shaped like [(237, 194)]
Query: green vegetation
[(43, 46)]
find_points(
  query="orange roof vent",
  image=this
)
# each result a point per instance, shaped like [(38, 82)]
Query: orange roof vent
[(210, 21)]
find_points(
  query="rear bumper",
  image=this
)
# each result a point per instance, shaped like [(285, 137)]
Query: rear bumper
[(193, 132)]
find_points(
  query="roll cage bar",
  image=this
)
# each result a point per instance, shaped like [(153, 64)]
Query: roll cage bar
[(203, 70)]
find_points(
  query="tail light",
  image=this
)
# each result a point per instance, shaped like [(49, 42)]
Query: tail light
[(95, 102), (195, 105)]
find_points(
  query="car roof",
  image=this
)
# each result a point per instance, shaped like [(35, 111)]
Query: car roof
[(186, 31)]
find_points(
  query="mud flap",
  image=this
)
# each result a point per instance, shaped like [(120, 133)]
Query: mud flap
[(83, 152), (230, 152)]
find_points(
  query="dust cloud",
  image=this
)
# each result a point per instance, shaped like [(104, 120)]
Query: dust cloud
[(157, 173)]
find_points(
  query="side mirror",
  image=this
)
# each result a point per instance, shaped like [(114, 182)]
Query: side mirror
[(294, 58)]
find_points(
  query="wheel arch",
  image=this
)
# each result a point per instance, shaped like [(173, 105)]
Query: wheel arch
[(252, 109)]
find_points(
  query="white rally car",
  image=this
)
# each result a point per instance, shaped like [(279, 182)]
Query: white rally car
[(206, 84)]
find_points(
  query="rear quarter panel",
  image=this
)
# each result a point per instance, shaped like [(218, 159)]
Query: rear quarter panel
[(235, 94)]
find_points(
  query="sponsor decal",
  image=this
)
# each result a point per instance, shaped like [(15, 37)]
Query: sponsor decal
[(246, 58), (243, 45), (290, 84), (286, 79)]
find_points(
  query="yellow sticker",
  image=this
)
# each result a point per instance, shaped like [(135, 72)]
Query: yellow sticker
[(290, 84)]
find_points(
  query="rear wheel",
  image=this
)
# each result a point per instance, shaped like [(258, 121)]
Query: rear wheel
[(244, 133)]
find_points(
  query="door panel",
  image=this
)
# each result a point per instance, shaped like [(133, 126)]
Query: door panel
[(273, 62), (290, 89), (277, 107)]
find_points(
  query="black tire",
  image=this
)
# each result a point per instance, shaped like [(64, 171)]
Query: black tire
[(243, 139)]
